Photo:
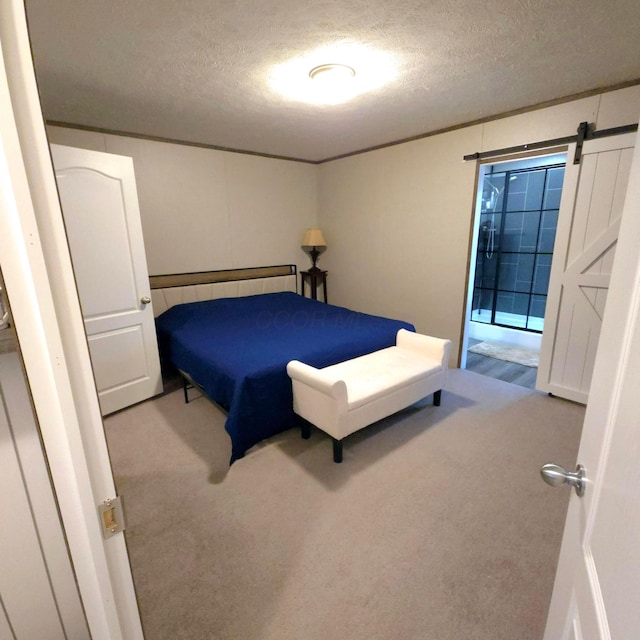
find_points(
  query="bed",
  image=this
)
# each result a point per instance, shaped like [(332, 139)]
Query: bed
[(236, 349)]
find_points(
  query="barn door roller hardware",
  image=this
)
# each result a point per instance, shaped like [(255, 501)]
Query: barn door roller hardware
[(585, 132)]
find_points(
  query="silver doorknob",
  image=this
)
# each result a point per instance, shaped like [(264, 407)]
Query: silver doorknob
[(555, 475), (145, 300)]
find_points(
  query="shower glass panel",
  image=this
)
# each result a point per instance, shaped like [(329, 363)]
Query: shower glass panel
[(518, 220)]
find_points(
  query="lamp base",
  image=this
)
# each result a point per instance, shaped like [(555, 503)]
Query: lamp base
[(314, 253), (315, 269)]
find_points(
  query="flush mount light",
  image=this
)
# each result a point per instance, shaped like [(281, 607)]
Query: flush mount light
[(337, 72), (308, 78)]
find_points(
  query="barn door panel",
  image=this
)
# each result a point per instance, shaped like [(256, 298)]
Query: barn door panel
[(588, 227)]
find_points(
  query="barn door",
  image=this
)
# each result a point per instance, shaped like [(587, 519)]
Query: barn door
[(588, 225), (102, 218)]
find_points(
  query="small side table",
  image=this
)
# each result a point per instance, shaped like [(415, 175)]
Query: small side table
[(315, 277)]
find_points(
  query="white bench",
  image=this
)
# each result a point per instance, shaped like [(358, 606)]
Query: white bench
[(350, 395)]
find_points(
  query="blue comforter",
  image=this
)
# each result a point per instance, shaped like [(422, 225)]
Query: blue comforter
[(237, 350)]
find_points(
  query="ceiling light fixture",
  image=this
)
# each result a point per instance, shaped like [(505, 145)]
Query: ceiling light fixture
[(332, 72), (305, 79)]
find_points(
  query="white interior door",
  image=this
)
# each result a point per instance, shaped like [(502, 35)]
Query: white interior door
[(588, 226), (102, 217), (597, 588)]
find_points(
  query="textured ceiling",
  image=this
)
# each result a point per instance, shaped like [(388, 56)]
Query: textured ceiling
[(197, 70)]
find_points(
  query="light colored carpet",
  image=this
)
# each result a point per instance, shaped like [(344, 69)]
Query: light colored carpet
[(436, 526), (527, 357)]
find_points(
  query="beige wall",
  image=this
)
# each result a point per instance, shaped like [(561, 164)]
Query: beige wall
[(205, 209), (397, 221)]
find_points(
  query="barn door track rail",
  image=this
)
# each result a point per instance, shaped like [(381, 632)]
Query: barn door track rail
[(586, 131)]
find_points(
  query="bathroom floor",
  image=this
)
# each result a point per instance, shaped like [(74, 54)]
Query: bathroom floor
[(500, 369)]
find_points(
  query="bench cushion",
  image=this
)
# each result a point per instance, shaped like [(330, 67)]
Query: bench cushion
[(378, 374)]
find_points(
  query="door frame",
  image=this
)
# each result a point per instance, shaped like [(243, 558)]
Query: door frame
[(39, 280), (481, 166)]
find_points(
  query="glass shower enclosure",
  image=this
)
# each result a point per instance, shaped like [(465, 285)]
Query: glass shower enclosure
[(516, 233)]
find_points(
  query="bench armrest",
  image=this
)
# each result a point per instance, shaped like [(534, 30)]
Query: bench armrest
[(433, 348), (315, 379)]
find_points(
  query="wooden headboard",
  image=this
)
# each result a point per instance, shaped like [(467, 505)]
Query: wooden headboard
[(178, 288)]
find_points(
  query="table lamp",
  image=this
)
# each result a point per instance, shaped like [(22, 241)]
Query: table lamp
[(314, 244)]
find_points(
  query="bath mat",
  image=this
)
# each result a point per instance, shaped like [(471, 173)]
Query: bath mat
[(527, 357)]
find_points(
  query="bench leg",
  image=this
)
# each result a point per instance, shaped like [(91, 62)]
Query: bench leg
[(305, 430), (437, 397), (337, 450)]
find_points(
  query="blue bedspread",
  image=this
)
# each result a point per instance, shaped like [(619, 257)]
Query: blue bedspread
[(237, 350)]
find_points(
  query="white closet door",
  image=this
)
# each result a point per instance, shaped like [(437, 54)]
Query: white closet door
[(588, 225), (35, 570), (102, 218)]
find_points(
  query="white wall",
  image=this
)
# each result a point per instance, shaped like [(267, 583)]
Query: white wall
[(205, 209), (396, 223), (398, 220)]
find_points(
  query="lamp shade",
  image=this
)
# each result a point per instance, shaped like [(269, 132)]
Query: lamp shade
[(313, 238)]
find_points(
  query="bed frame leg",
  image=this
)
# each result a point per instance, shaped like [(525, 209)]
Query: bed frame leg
[(337, 450), (305, 430), (185, 387), (437, 396)]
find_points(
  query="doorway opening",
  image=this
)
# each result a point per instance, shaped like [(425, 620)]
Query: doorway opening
[(517, 207)]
